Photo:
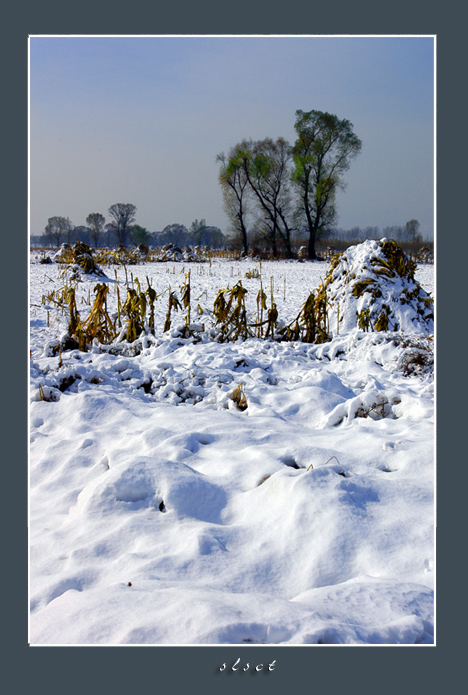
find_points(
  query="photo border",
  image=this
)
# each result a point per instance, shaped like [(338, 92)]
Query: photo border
[(155, 667)]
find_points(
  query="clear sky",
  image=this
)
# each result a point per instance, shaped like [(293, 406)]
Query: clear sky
[(141, 119)]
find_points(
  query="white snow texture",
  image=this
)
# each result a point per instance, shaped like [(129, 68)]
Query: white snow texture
[(162, 514)]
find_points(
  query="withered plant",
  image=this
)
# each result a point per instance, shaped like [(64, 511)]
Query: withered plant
[(239, 398), (231, 315), (134, 309), (173, 303), (99, 324)]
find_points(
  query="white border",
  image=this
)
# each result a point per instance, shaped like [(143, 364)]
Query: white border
[(248, 36)]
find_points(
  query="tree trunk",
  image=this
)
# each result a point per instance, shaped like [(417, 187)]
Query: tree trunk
[(312, 237), (244, 240), (312, 224), (243, 229), (273, 245)]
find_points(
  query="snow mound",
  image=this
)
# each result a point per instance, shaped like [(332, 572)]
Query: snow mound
[(147, 483), (372, 285), (361, 611)]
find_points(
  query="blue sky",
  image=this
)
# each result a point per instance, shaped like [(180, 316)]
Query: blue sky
[(141, 119)]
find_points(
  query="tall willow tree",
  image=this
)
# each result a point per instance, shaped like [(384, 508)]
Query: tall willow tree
[(322, 152)]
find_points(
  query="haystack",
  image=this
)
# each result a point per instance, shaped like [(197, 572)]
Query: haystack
[(371, 286)]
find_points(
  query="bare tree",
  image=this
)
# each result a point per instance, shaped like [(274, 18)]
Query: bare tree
[(236, 191), (96, 222), (123, 215), (58, 228), (267, 169)]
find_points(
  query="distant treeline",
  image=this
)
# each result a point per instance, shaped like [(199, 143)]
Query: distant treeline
[(398, 233), (200, 234), (60, 230)]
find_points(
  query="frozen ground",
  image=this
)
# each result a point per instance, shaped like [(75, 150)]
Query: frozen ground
[(162, 514)]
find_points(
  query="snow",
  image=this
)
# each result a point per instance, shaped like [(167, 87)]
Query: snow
[(408, 305), (160, 513)]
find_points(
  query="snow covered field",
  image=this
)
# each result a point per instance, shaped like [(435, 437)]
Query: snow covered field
[(160, 513)]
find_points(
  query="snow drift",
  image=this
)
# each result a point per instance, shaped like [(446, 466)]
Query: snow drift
[(161, 513)]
